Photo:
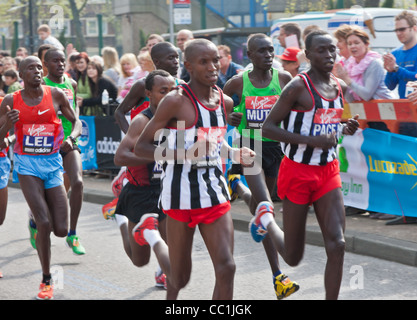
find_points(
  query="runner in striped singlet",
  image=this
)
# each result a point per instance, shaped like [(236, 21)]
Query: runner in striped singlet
[(192, 122), (309, 112)]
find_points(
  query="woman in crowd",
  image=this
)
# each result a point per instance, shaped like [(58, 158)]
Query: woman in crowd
[(130, 70), (363, 71), (97, 83), (111, 64), (83, 88)]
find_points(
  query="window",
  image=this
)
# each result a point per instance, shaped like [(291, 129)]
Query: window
[(92, 26)]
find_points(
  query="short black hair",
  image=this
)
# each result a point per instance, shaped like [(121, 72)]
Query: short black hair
[(49, 53), (311, 35), (150, 78)]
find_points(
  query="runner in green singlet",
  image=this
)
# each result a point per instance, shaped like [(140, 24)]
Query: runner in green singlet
[(54, 61), (258, 89)]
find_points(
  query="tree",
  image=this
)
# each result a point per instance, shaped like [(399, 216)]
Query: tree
[(76, 12)]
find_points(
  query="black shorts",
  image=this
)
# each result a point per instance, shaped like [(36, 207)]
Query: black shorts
[(135, 201), (271, 158)]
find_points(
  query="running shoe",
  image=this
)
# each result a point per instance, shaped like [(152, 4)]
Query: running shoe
[(148, 221), (74, 243), (284, 287), (1, 275), (33, 234), (257, 230), (232, 180), (46, 292), (109, 209), (160, 280)]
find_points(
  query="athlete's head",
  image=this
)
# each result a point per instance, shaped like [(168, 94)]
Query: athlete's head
[(320, 50), (165, 56), (158, 84), (54, 61), (261, 51), (202, 61), (31, 72)]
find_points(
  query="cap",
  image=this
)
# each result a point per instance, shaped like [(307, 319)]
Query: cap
[(290, 54)]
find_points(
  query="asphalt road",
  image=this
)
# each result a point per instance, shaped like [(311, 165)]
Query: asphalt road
[(106, 273)]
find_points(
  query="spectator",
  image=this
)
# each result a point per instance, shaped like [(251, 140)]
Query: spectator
[(289, 29), (41, 53), (363, 72), (130, 70), (401, 62), (11, 79), (153, 39), (290, 61), (3, 87), (183, 36), (145, 63), (111, 64), (83, 88), (97, 59), (9, 63), (97, 83), (228, 68), (71, 65), (44, 32), (22, 52), (340, 34), (3, 54)]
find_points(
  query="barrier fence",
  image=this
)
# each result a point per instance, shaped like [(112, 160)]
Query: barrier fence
[(379, 167)]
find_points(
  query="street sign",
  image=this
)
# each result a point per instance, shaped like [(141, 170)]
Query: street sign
[(182, 11)]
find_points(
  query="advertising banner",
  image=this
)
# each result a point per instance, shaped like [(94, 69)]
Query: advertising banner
[(87, 143), (379, 172), (108, 137)]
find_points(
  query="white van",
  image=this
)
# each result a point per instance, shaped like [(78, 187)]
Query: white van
[(377, 22)]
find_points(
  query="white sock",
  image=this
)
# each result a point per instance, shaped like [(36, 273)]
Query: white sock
[(158, 270), (152, 237), (120, 219), (267, 218)]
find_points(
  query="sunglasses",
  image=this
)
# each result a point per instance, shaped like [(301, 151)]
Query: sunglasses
[(402, 29)]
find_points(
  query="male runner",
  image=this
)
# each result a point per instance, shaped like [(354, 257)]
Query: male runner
[(306, 120), (37, 162), (54, 61), (4, 175), (258, 90), (165, 57), (139, 197), (194, 190)]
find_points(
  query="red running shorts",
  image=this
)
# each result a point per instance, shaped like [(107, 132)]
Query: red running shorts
[(196, 216), (304, 184)]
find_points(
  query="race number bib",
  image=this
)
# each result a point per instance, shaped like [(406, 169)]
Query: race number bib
[(210, 156), (326, 121), (38, 138), (257, 109), (157, 170)]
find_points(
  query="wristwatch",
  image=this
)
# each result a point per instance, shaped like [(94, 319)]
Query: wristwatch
[(396, 68), (73, 140)]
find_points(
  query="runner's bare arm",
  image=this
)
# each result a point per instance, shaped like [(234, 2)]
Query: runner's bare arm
[(124, 155), (135, 95)]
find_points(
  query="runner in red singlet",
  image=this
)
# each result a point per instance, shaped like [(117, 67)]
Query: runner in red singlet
[(38, 164)]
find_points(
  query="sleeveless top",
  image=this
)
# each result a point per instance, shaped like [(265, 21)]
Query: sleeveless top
[(39, 130), (3, 152), (195, 184), (255, 104), (323, 118), (69, 92), (148, 174)]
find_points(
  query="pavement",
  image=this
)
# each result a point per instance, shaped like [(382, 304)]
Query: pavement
[(363, 235)]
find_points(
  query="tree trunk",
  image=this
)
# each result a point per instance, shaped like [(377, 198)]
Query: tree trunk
[(80, 40)]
